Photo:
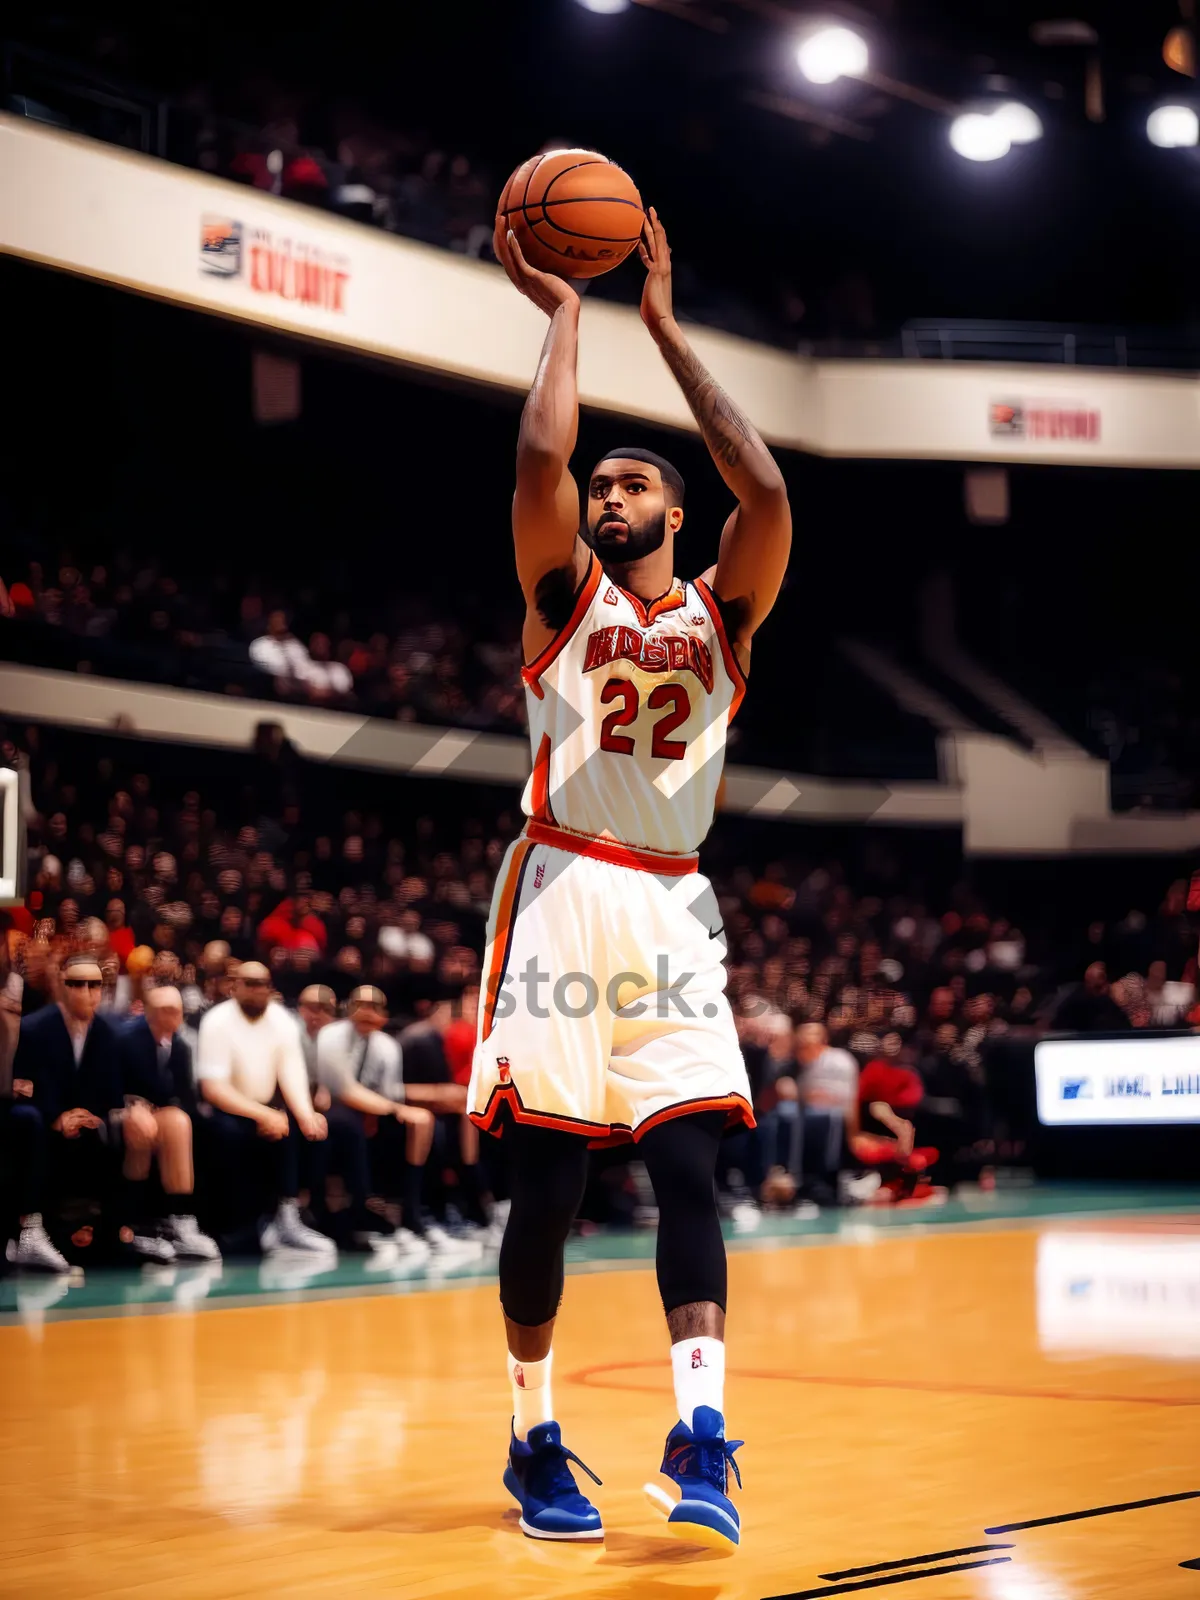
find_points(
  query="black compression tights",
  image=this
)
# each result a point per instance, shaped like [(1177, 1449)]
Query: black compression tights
[(547, 1173)]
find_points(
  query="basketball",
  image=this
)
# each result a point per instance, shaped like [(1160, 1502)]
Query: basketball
[(574, 212)]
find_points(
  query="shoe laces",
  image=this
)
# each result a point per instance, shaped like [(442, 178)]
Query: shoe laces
[(713, 1456), (554, 1473)]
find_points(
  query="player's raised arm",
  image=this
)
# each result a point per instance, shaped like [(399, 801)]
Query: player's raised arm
[(758, 535), (546, 503)]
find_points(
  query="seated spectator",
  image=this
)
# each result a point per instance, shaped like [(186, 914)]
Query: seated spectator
[(121, 939), (889, 1096), (280, 653), (64, 1137), (250, 1069), (361, 1066), (827, 1087), (1089, 1007), (1167, 1003), (156, 1063), (327, 679)]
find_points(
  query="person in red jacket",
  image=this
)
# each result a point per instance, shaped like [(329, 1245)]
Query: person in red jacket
[(886, 1138)]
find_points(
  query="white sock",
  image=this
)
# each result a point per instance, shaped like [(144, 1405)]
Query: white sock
[(532, 1402), (32, 1221), (289, 1211), (698, 1367)]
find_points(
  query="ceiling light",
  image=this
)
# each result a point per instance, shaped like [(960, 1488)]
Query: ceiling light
[(832, 53), (980, 136), (605, 8), (1173, 127)]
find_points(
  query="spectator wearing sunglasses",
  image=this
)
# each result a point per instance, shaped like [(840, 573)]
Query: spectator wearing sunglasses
[(250, 1068), (65, 1136)]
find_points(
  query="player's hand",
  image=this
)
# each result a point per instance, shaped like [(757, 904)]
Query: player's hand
[(314, 1127), (546, 291), (272, 1124), (657, 304)]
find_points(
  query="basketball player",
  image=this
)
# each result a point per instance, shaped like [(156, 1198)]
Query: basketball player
[(631, 679)]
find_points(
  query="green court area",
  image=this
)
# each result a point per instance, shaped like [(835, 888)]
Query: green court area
[(33, 1299)]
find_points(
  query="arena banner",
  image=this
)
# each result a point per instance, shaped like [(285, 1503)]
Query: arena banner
[(183, 236), (1116, 1082)]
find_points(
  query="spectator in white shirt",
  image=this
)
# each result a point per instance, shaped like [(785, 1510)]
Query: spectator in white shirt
[(250, 1068), (361, 1067), (280, 653), (326, 678)]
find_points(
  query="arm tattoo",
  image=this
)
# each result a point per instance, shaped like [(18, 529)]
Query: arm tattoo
[(724, 429)]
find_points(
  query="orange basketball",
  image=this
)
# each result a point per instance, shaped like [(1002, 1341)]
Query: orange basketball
[(574, 212)]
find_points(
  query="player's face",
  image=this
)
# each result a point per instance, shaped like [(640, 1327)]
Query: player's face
[(628, 513)]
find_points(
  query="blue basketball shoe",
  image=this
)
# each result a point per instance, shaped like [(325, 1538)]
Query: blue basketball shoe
[(540, 1481), (696, 1461)]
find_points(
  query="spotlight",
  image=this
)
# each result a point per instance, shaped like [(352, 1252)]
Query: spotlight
[(1022, 125), (605, 8), (832, 53), (980, 136), (1173, 127)]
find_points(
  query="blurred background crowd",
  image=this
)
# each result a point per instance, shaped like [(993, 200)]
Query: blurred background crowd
[(876, 995)]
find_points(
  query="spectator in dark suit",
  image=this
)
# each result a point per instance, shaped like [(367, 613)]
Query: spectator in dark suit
[(65, 1137), (156, 1063)]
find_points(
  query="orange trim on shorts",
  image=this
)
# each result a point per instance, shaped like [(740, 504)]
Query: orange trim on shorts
[(737, 1108), (504, 928), (583, 599), (507, 1094), (732, 665), (613, 851), (601, 1135)]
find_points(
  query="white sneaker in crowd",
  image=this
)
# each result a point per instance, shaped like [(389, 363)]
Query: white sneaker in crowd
[(287, 1232), (411, 1249), (745, 1216), (448, 1246), (858, 1189), (33, 1249), (189, 1242), (152, 1247)]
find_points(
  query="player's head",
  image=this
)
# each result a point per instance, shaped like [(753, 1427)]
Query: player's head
[(634, 499)]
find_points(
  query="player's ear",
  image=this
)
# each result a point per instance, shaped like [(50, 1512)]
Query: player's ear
[(675, 518)]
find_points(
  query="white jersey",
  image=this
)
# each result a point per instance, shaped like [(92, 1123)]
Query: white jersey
[(628, 707)]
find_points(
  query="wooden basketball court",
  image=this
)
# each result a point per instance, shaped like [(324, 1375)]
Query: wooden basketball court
[(1003, 1413)]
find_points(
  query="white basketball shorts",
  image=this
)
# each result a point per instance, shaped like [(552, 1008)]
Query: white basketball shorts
[(603, 1008)]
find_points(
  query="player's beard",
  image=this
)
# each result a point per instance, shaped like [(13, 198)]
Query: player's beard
[(641, 542)]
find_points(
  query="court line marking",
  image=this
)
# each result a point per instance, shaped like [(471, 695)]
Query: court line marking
[(911, 1561), (1194, 1565), (585, 1376), (1096, 1511), (895, 1577)]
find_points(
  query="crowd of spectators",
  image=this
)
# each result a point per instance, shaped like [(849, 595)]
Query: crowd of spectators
[(866, 1017), (133, 619)]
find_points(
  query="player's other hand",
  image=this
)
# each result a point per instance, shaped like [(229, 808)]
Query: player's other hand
[(657, 305), (546, 291)]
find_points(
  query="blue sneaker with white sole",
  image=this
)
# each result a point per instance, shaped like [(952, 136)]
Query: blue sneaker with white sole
[(696, 1461), (540, 1481)]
